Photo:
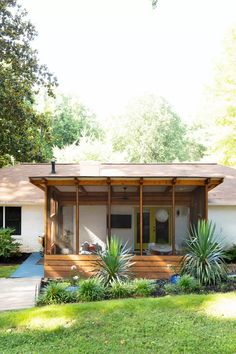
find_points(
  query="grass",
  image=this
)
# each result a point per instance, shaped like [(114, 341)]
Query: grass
[(7, 270), (177, 324)]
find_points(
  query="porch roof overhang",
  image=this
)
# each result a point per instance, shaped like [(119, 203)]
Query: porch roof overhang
[(54, 180)]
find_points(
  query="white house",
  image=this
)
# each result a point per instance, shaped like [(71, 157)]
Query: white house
[(22, 203)]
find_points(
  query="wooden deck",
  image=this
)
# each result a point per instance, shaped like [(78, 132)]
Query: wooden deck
[(151, 267)]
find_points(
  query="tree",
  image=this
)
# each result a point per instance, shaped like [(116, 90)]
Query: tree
[(72, 120), (88, 150), (23, 131), (222, 103), (154, 3), (152, 132)]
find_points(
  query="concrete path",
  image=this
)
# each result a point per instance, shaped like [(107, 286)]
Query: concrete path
[(29, 268), (18, 293)]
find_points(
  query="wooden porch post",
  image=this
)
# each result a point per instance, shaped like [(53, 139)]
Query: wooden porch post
[(109, 209), (141, 215), (77, 218), (49, 221), (45, 217), (173, 216), (206, 199)]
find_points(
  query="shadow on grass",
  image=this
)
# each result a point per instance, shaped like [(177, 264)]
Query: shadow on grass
[(174, 324)]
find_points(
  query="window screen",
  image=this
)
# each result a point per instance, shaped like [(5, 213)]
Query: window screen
[(1, 217), (119, 221), (13, 219)]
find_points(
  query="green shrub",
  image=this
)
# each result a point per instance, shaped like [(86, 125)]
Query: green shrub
[(120, 290), (170, 288), (8, 246), (187, 284), (143, 287), (230, 254), (91, 289), (205, 257), (56, 293), (114, 263)]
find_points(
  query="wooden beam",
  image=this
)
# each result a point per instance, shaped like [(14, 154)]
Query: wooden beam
[(207, 182), (141, 215), (45, 218), (109, 209), (77, 219), (163, 181), (173, 218)]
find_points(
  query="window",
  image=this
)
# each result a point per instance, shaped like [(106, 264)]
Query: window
[(13, 219), (121, 221), (1, 217)]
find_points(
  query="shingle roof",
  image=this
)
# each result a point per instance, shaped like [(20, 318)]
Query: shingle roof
[(16, 188)]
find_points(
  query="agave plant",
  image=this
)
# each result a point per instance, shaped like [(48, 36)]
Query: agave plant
[(205, 258), (114, 264)]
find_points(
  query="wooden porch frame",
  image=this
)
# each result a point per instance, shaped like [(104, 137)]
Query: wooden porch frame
[(109, 209), (77, 219), (47, 183), (141, 215), (173, 217)]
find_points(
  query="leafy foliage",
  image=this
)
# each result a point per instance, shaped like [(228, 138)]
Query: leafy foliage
[(120, 290), (170, 288), (143, 287), (22, 130), (91, 290), (8, 246), (205, 255), (56, 293), (230, 254), (71, 121), (88, 150), (152, 132), (115, 262), (187, 284), (221, 106)]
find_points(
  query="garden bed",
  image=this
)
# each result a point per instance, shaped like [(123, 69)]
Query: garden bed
[(64, 291), (14, 260)]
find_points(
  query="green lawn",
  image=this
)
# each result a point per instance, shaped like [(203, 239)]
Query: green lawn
[(7, 270), (180, 324)]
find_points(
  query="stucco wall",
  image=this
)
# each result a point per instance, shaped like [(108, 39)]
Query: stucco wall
[(126, 235), (32, 225), (225, 219), (92, 224)]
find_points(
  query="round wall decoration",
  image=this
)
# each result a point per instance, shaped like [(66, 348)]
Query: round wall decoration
[(162, 215)]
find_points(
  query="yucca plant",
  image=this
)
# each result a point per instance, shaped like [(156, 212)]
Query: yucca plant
[(205, 258), (114, 264)]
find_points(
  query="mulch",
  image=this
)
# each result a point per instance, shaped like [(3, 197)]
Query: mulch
[(14, 260), (40, 261)]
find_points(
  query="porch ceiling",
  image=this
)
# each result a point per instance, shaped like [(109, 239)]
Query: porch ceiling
[(99, 184)]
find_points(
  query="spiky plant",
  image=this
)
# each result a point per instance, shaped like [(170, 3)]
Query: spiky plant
[(114, 264), (205, 258)]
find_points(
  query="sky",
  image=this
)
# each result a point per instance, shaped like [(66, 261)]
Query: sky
[(108, 52)]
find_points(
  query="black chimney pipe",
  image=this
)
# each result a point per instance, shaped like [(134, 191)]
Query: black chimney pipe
[(53, 164)]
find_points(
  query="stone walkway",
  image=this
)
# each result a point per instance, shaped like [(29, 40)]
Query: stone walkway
[(20, 291)]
